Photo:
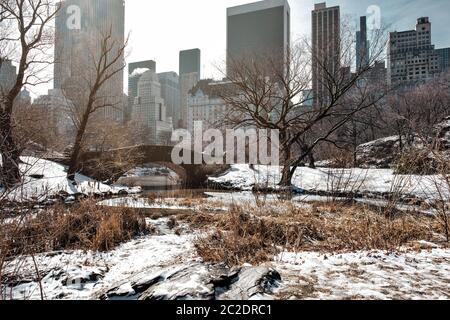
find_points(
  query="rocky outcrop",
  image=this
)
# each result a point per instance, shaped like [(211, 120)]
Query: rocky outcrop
[(383, 153), (252, 282), (198, 281), (442, 132), (380, 153)]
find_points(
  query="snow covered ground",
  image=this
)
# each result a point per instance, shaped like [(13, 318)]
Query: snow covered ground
[(365, 275), (82, 275), (165, 204), (242, 177), (168, 265), (45, 179)]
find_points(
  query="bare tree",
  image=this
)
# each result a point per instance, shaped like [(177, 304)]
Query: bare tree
[(268, 92), (415, 111), (26, 37), (106, 61)]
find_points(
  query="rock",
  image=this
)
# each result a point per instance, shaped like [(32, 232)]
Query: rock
[(197, 281), (190, 283), (442, 132), (252, 282), (383, 153), (380, 153)]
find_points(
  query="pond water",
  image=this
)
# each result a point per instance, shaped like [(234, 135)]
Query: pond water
[(188, 199)]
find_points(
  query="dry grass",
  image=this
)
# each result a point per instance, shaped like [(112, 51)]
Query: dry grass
[(246, 236), (85, 226)]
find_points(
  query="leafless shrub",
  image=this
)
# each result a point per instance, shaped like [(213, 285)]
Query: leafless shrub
[(85, 226), (245, 236), (345, 182)]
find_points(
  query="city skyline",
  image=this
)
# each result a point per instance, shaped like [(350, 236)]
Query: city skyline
[(209, 32)]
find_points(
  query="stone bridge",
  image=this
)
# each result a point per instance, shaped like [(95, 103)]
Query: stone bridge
[(111, 164)]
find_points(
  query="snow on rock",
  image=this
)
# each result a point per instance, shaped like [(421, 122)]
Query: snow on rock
[(380, 153), (191, 282), (155, 267), (253, 283), (365, 275), (46, 179), (442, 130), (87, 275), (356, 180)]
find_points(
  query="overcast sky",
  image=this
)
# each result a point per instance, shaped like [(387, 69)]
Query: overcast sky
[(159, 29)]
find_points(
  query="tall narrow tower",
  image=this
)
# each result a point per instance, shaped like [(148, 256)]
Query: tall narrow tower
[(362, 45), (325, 49), (190, 62)]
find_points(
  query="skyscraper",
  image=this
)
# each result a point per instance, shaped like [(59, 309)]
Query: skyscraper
[(190, 62), (149, 111), (325, 49), (170, 92), (362, 45), (411, 55), (80, 26), (257, 29), (444, 58), (8, 74), (135, 70)]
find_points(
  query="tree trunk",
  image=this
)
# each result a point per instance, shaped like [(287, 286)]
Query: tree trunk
[(9, 171), (286, 178), (312, 161), (73, 164)]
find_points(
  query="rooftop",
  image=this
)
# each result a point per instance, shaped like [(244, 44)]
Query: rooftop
[(256, 6)]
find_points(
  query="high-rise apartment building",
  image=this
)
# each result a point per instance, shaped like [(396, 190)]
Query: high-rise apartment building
[(190, 63), (170, 92), (362, 45), (411, 55), (258, 29), (325, 49), (80, 26)]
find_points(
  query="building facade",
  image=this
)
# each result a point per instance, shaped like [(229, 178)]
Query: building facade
[(190, 68), (149, 112), (135, 70), (362, 45), (59, 109), (258, 28), (8, 74), (206, 106), (325, 49), (444, 58), (411, 56), (170, 92), (80, 26)]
